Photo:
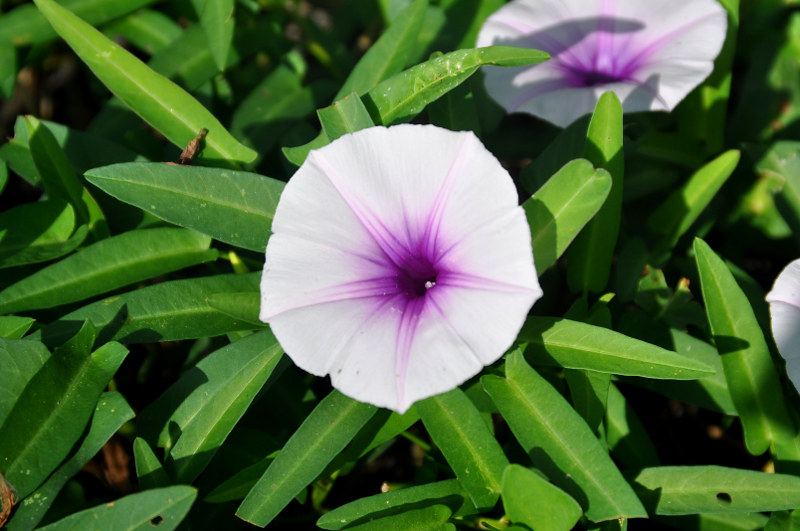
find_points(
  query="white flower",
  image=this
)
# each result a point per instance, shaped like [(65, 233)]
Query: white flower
[(400, 263), (651, 53), (784, 309)]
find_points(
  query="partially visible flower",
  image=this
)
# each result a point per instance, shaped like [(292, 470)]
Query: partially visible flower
[(400, 263), (651, 53), (784, 310)]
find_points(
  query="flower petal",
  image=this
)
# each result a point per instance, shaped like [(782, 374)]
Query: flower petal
[(357, 223), (784, 309), (652, 54)]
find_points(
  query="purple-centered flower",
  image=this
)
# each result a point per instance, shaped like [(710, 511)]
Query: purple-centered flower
[(400, 263), (651, 53), (784, 310)]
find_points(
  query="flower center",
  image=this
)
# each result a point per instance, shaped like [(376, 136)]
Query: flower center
[(416, 277)]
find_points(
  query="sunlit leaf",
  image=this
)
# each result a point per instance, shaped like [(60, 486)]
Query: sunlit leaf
[(163, 104)]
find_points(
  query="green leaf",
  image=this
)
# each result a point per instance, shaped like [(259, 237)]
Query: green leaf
[(752, 379), (13, 327), (111, 413), (83, 150), (590, 257), (8, 71), (231, 206), (433, 518), (237, 486), (149, 30), (576, 345), (25, 26), (160, 102), (560, 443), (149, 470), (783, 521), (107, 265), (54, 408), (3, 175), (326, 431), (448, 492), (193, 417), (162, 312), (347, 115), (135, 512), (265, 114), (674, 490), (218, 23), (394, 49), (20, 359), (568, 145), (38, 232), (60, 180), (401, 97), (682, 208), (390, 53), (457, 428), (533, 501), (243, 306), (559, 209), (626, 436), (457, 110), (710, 392)]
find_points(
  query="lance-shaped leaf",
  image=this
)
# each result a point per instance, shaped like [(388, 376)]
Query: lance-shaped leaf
[(271, 108), (673, 490), (107, 265), (401, 97), (457, 428), (159, 101), (163, 312), (243, 306), (390, 53), (433, 518), (20, 359), (167, 507), (533, 501), (752, 379), (448, 492), (590, 257), (559, 209), (710, 393), (148, 30), (576, 345), (626, 436), (14, 327), (560, 443), (347, 115), (207, 402), (231, 206), (326, 431), (218, 23), (38, 232), (149, 470), (684, 206), (52, 411), (111, 413), (25, 26), (60, 180)]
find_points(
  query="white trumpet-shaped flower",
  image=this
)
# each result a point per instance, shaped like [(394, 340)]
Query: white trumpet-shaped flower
[(400, 263), (650, 53), (784, 309)]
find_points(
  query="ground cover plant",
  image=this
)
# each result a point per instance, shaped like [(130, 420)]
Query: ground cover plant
[(399, 264)]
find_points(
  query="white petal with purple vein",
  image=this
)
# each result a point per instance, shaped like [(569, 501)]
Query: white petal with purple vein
[(400, 263)]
